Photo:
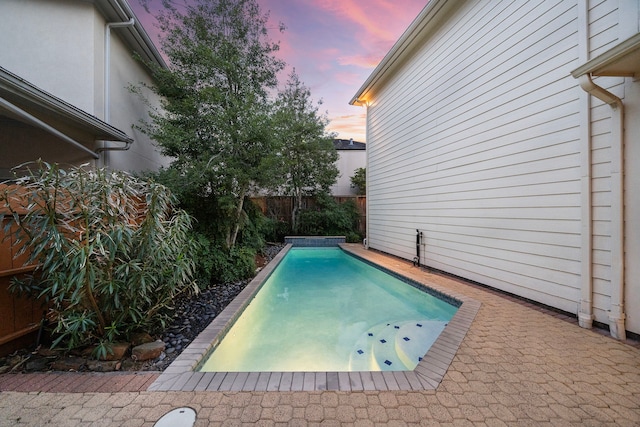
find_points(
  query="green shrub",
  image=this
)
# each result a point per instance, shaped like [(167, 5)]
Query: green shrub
[(329, 218), (256, 227), (353, 237), (112, 251), (234, 265), (203, 259)]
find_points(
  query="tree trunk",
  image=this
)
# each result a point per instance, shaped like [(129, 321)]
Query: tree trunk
[(297, 202), (235, 226)]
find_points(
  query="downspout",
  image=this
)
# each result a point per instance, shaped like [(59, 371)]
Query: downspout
[(585, 310), (616, 314), (107, 81), (366, 178), (42, 125)]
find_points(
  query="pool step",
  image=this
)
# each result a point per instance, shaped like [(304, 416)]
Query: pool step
[(394, 346), (414, 339), (362, 357), (384, 352)]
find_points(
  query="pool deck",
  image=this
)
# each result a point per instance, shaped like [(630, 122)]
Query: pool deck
[(518, 364)]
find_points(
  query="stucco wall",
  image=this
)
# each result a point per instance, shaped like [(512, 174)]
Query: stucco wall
[(50, 44), (127, 109), (58, 45), (348, 162)]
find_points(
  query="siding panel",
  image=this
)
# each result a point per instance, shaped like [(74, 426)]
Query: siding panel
[(476, 143)]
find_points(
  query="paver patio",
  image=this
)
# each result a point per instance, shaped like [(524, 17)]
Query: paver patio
[(519, 364)]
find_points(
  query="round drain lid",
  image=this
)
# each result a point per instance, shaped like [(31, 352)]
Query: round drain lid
[(180, 417)]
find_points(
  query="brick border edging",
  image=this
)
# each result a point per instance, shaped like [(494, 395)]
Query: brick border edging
[(77, 382)]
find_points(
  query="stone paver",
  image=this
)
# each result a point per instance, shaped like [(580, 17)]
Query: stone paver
[(517, 365)]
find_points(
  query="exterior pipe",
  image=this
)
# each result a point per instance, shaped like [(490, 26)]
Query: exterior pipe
[(39, 123), (107, 63), (616, 314), (585, 311), (107, 79)]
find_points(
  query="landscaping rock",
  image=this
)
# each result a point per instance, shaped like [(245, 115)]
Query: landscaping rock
[(38, 363), (119, 350), (48, 352), (68, 364), (141, 338), (103, 365), (147, 351)]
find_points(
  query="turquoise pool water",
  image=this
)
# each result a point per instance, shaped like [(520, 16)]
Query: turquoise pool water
[(324, 310)]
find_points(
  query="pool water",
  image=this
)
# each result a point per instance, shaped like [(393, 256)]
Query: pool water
[(324, 310)]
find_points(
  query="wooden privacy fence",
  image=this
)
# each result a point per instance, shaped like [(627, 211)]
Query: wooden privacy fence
[(280, 207), (20, 316)]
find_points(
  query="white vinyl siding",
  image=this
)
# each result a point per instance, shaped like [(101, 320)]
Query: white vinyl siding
[(475, 142)]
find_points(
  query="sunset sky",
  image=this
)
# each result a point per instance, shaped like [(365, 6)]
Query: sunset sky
[(333, 44)]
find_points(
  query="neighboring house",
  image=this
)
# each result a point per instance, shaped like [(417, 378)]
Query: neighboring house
[(351, 156), (506, 133), (65, 71)]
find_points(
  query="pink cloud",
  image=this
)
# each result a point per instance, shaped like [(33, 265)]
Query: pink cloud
[(349, 126), (364, 61), (332, 44), (375, 24), (347, 78)]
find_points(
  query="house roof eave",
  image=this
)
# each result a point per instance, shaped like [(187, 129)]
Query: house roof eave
[(432, 12), (29, 97), (135, 37), (621, 60)]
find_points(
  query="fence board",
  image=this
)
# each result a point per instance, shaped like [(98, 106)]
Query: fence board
[(19, 315)]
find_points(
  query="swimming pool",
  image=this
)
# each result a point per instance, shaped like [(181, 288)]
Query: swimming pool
[(324, 310), (183, 374)]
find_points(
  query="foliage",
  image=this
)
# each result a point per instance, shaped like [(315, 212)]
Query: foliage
[(257, 228), (230, 266), (214, 261), (330, 218), (359, 181), (112, 251), (203, 259), (216, 113), (307, 153)]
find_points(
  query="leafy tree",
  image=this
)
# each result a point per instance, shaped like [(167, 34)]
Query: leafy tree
[(112, 251), (359, 181), (216, 120), (307, 154)]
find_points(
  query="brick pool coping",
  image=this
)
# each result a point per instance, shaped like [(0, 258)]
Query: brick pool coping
[(181, 375)]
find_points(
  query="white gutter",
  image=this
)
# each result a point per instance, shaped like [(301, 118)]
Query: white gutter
[(616, 314), (39, 123)]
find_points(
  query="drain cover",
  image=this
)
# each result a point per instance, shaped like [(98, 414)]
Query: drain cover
[(181, 417)]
